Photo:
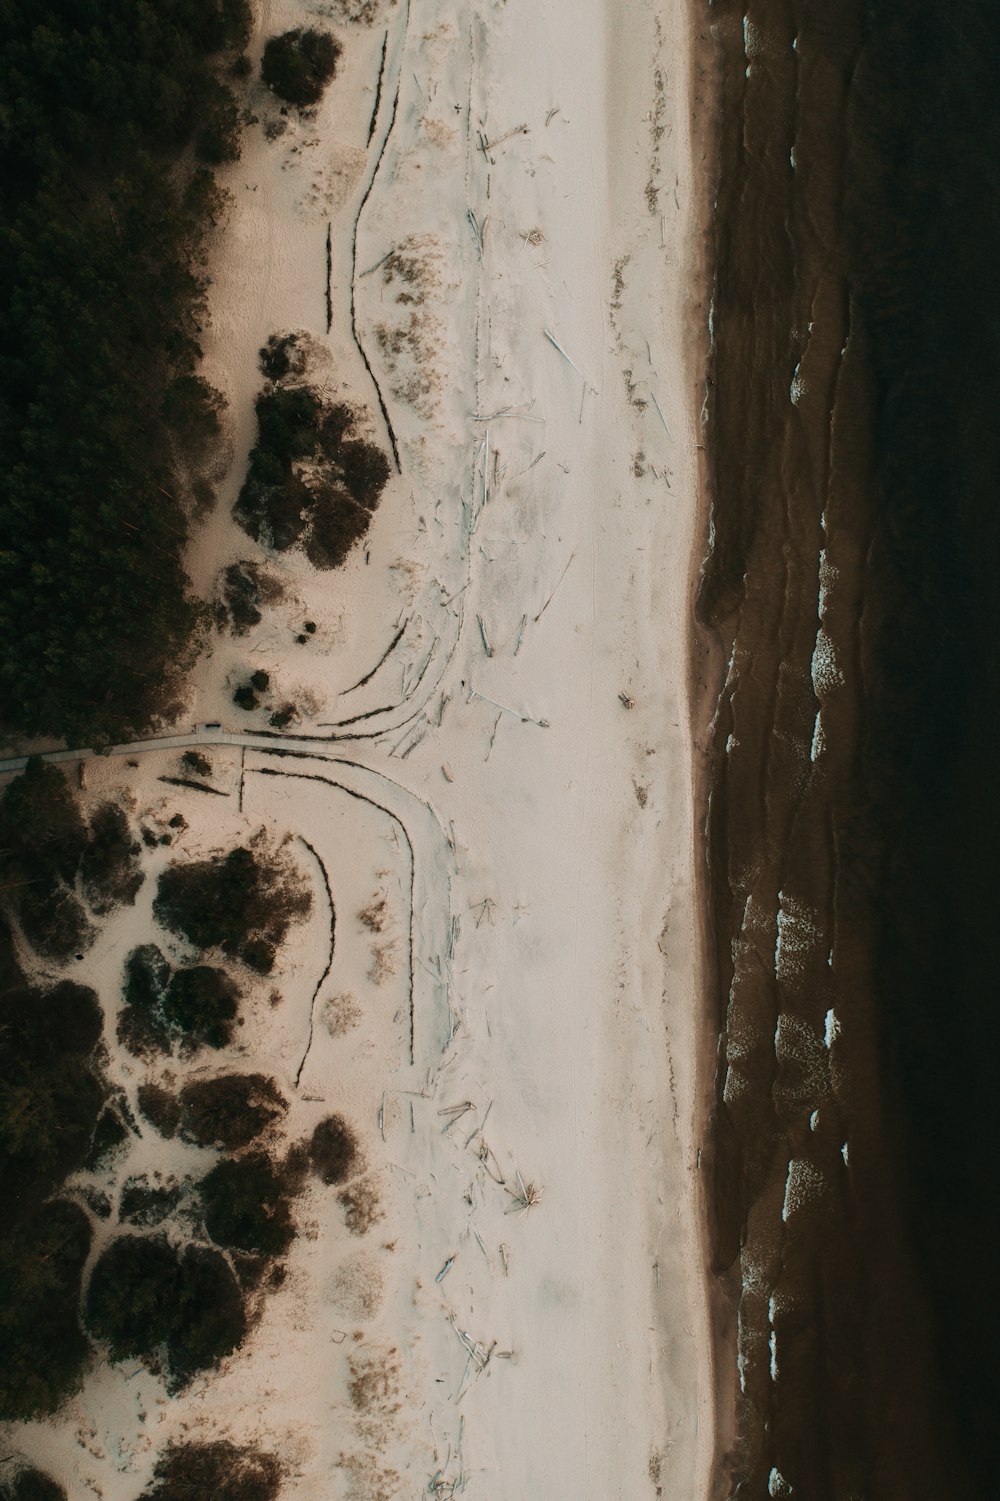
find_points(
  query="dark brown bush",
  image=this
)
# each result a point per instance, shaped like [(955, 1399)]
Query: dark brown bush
[(246, 1207), (245, 587), (220, 1471), (161, 1108), (299, 64), (201, 1004), (273, 514), (228, 900), (333, 1150), (282, 356), (147, 1300), (229, 1112), (110, 867), (365, 470), (338, 522), (31, 1485), (327, 507)]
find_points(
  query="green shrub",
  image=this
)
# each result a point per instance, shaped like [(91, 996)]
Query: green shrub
[(53, 920), (146, 975), (41, 826), (245, 698), (44, 1349), (149, 1301), (42, 839), (299, 64), (287, 419), (193, 409), (109, 1134), (246, 1207), (218, 138), (193, 1472), (229, 1112), (273, 511), (44, 844)]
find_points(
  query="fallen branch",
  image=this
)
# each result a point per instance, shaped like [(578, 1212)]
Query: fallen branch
[(556, 345), (552, 596), (486, 146), (195, 786), (662, 418)]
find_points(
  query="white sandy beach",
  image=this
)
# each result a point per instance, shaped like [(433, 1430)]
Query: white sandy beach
[(520, 791)]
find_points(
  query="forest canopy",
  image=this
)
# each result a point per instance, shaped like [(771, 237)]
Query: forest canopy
[(102, 240)]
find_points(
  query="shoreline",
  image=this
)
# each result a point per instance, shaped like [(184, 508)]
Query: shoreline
[(706, 678)]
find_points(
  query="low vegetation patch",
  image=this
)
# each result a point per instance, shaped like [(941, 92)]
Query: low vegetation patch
[(148, 1204), (245, 588), (194, 761), (361, 1205)]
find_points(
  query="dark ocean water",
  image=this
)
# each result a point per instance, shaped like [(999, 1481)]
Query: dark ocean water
[(854, 822)]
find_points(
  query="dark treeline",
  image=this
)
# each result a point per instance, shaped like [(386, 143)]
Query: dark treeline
[(114, 112), (178, 1301)]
